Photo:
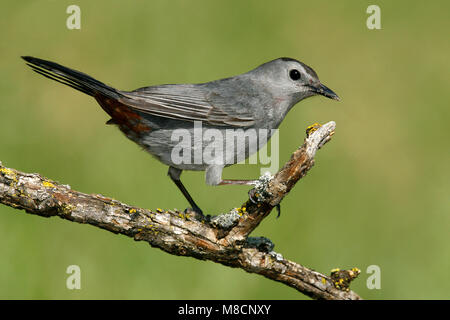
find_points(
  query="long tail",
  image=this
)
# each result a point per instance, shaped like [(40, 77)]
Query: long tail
[(72, 78)]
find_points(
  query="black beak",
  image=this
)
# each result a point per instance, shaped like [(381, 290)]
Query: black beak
[(325, 91)]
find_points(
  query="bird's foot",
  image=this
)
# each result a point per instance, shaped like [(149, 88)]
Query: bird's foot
[(253, 196), (260, 193)]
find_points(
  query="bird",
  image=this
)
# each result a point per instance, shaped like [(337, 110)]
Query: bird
[(156, 117)]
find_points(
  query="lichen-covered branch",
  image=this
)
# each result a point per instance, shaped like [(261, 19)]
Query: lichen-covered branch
[(223, 239)]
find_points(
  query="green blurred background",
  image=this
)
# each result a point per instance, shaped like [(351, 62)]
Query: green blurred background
[(378, 194)]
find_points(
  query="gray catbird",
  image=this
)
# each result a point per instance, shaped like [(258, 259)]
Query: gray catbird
[(156, 117)]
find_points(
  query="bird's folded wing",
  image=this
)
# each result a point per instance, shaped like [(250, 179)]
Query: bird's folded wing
[(186, 102)]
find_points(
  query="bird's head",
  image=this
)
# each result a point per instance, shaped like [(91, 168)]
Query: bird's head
[(293, 80)]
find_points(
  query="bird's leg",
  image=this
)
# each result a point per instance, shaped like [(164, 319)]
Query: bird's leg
[(174, 174), (237, 182), (214, 178)]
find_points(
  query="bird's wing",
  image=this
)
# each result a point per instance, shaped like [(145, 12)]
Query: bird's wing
[(189, 103)]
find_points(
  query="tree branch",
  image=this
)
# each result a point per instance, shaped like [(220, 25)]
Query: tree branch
[(222, 239)]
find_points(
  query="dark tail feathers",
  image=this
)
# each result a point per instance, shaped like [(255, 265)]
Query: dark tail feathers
[(71, 78)]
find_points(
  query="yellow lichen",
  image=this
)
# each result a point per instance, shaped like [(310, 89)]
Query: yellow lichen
[(312, 128), (66, 209), (7, 171), (132, 211), (12, 174), (48, 184)]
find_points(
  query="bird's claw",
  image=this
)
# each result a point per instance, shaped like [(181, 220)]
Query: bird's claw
[(278, 206), (253, 196)]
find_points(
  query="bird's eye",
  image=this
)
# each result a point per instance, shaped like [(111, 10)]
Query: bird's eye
[(294, 74)]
